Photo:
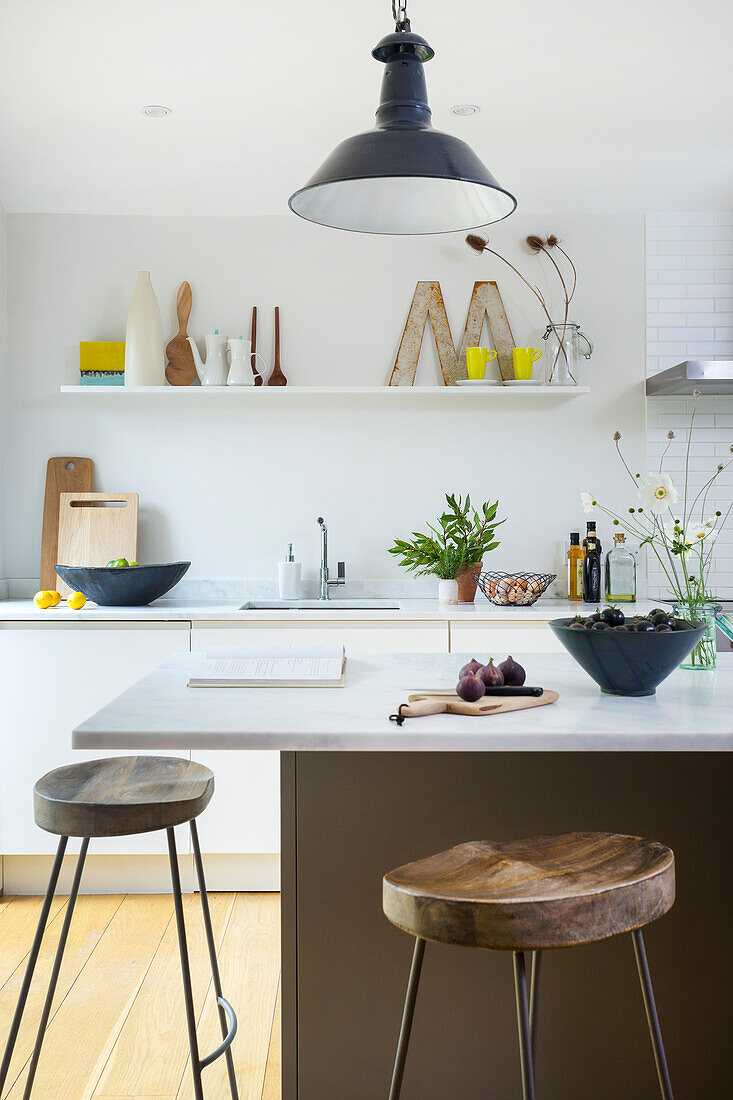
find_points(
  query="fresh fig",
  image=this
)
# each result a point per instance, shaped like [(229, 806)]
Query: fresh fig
[(514, 675), (491, 674), (470, 688), (472, 666)]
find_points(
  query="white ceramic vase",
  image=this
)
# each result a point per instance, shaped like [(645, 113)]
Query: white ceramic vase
[(447, 591), (144, 349)]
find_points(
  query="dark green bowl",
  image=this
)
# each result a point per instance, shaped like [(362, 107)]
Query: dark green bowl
[(626, 663), (133, 586)]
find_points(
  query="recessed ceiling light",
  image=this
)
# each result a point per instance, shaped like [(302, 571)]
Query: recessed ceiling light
[(463, 109), (155, 110)]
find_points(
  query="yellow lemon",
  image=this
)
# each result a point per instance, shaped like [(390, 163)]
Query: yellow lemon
[(43, 599), (76, 601), (55, 598)]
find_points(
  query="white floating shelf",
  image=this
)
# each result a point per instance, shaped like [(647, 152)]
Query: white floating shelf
[(260, 393)]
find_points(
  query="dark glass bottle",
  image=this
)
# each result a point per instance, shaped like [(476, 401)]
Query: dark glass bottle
[(592, 569), (590, 528)]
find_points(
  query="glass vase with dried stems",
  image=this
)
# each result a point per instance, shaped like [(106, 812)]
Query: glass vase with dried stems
[(562, 337)]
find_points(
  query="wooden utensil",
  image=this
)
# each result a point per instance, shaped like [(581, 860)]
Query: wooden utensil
[(277, 378), (425, 703), (181, 370), (63, 475), (253, 337), (95, 528)]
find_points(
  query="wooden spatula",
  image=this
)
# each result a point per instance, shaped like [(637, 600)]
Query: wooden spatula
[(277, 378), (253, 337), (181, 370)]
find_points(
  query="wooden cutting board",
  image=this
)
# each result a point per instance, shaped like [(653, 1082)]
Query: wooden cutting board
[(94, 528), (424, 703), (63, 475)]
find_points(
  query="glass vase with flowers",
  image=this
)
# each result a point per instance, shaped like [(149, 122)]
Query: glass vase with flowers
[(680, 529)]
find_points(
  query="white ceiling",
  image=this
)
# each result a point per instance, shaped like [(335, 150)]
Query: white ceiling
[(585, 105)]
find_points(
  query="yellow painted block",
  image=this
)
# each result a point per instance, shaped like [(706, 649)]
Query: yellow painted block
[(101, 355)]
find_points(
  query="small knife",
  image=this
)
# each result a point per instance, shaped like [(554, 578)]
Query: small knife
[(511, 689)]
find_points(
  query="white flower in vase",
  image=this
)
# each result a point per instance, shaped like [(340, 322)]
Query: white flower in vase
[(588, 502), (657, 493)]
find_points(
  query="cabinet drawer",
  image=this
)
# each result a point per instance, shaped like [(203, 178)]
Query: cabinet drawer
[(499, 639), (357, 636)]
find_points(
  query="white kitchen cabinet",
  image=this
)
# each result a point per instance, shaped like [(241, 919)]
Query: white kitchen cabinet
[(52, 677), (497, 639), (244, 815)]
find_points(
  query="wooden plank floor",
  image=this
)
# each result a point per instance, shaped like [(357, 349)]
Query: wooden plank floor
[(118, 1029)]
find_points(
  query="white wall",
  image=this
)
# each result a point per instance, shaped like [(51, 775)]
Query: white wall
[(227, 483), (690, 316), (3, 374)]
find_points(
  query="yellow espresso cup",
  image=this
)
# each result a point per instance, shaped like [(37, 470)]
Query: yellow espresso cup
[(476, 360), (523, 360)]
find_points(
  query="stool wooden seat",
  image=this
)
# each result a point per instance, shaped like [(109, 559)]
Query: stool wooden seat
[(527, 895), (520, 895), (121, 796)]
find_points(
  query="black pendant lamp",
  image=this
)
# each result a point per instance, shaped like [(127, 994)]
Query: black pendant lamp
[(403, 176)]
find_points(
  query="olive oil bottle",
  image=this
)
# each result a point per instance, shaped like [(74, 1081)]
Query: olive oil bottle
[(620, 572), (592, 568), (575, 567)]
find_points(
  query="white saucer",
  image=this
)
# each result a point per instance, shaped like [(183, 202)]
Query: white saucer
[(524, 382), (477, 382)]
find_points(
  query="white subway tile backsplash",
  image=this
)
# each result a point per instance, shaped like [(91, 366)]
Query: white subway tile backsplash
[(686, 276), (683, 248), (690, 303)]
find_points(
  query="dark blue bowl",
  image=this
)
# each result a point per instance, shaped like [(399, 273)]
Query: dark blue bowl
[(624, 663), (134, 586)]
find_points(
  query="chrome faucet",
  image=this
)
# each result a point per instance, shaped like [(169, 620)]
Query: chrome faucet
[(324, 583)]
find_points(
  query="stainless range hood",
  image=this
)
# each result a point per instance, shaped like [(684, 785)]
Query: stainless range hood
[(709, 376)]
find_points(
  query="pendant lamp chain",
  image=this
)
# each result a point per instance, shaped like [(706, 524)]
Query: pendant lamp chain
[(399, 14)]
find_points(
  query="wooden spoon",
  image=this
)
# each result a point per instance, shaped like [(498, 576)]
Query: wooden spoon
[(181, 369), (253, 337), (277, 378)]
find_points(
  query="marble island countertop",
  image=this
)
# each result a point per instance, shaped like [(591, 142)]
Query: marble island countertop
[(690, 712), (228, 610)]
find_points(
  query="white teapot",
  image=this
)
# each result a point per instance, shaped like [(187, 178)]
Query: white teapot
[(240, 370), (213, 371)]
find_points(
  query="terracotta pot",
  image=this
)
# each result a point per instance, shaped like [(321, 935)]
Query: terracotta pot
[(467, 582)]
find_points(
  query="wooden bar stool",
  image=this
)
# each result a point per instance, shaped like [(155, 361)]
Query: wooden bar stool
[(527, 895), (122, 796)]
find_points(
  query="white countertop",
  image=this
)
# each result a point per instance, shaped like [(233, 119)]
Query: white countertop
[(228, 611), (692, 711)]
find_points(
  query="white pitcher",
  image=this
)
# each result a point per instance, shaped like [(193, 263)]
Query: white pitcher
[(240, 371), (213, 371)]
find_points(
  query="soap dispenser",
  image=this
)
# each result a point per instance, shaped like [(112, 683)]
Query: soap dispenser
[(288, 576)]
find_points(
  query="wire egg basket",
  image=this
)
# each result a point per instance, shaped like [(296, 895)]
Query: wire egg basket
[(513, 589)]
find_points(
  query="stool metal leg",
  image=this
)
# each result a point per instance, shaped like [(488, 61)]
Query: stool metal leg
[(525, 1036), (407, 1015), (185, 968), (56, 968), (212, 957), (651, 1015), (32, 959), (534, 996)]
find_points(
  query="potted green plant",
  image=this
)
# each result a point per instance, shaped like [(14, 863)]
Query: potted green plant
[(453, 550)]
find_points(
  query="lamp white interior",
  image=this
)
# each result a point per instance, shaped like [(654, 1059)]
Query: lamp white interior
[(402, 204)]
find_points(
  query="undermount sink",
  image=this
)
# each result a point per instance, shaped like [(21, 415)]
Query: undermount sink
[(320, 605)]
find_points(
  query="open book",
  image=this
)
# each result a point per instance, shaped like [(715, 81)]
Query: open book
[(271, 666)]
